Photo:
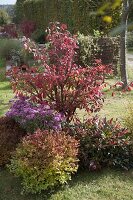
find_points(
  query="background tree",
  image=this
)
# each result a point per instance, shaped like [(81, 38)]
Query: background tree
[(121, 29), (4, 17), (19, 15), (79, 15)]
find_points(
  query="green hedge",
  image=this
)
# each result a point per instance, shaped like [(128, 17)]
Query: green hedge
[(76, 13)]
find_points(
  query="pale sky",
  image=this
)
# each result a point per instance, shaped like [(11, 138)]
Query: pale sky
[(7, 2)]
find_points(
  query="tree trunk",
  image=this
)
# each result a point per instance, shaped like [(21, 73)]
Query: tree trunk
[(124, 19)]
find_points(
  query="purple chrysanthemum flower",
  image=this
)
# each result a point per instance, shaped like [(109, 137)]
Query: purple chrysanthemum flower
[(32, 117)]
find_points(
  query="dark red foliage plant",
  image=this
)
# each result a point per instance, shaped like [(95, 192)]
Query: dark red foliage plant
[(103, 142), (27, 27), (57, 79), (10, 135), (10, 30)]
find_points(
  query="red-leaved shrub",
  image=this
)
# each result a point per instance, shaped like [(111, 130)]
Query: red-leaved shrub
[(58, 80), (27, 27), (102, 143), (10, 135), (10, 30)]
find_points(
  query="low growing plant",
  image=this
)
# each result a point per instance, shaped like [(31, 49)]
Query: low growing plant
[(44, 160), (33, 116)]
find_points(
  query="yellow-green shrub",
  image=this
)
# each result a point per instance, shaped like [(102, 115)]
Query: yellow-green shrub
[(44, 160)]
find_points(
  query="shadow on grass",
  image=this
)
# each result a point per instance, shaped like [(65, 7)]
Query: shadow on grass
[(5, 87), (10, 187)]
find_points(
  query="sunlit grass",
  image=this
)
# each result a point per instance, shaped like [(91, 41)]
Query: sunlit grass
[(5, 91)]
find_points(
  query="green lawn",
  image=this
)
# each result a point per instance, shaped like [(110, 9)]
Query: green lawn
[(5, 95), (5, 91), (117, 105), (105, 185)]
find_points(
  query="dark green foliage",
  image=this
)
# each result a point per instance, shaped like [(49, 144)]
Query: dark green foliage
[(39, 36), (10, 136), (19, 12)]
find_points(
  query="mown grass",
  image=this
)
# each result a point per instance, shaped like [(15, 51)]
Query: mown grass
[(5, 90), (5, 95), (116, 106), (105, 185)]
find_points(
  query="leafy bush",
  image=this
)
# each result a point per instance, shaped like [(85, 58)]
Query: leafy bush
[(7, 46), (99, 47), (58, 80), (44, 160), (103, 143), (88, 49), (31, 116), (10, 136), (4, 17)]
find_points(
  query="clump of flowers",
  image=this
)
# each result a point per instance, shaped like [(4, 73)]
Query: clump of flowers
[(33, 116)]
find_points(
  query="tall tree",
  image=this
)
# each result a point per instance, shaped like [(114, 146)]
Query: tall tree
[(4, 17), (19, 15), (124, 18), (127, 5)]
